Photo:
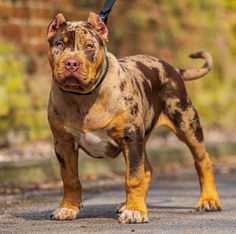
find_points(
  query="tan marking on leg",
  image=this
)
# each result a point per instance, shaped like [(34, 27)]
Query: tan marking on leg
[(209, 198), (134, 210), (163, 120), (71, 201)]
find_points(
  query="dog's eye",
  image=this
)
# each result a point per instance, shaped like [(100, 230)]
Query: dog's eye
[(59, 44), (89, 46)]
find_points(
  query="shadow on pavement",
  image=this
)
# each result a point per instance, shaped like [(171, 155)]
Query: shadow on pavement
[(90, 211), (171, 207), (99, 211), (96, 211), (34, 215)]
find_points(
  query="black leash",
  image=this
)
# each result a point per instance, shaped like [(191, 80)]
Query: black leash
[(104, 13)]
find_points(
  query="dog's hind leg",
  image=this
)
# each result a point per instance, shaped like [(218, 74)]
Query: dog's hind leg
[(184, 122)]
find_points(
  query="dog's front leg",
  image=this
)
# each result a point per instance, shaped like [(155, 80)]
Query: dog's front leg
[(137, 181), (68, 158)]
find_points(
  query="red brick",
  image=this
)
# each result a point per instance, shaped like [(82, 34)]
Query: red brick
[(11, 32)]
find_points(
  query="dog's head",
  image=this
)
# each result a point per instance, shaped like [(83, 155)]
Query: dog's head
[(77, 52)]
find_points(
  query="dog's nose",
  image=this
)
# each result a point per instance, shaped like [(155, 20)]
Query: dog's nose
[(72, 64)]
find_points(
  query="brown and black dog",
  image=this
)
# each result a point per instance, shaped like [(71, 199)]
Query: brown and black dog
[(106, 106)]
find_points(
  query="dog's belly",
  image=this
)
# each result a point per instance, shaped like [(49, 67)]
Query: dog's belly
[(96, 144)]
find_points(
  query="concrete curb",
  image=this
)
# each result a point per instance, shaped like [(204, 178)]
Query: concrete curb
[(24, 172), (28, 172)]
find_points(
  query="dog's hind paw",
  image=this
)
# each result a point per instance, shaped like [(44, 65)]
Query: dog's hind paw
[(132, 216), (209, 205), (63, 213)]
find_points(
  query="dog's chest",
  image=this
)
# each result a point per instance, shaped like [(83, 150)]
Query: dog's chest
[(96, 143)]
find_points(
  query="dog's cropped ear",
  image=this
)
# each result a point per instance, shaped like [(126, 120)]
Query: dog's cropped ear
[(55, 24), (98, 25)]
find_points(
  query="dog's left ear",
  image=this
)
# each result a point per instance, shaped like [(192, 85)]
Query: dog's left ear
[(98, 25)]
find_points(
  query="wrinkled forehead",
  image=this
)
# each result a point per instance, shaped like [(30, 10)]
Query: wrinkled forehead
[(78, 27), (81, 30)]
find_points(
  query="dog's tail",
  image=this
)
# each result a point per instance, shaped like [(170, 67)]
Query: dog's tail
[(193, 74)]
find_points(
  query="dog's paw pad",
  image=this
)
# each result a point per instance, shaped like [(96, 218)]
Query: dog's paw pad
[(64, 214), (209, 205), (132, 216)]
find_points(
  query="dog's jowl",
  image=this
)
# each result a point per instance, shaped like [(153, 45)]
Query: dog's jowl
[(106, 106)]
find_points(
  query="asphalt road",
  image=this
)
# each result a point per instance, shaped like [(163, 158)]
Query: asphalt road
[(171, 202)]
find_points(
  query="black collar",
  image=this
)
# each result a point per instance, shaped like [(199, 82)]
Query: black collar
[(100, 81)]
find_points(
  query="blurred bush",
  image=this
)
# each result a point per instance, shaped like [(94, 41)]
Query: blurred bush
[(166, 29), (22, 111), (173, 29)]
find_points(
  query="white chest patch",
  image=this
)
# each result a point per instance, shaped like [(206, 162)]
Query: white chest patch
[(94, 143)]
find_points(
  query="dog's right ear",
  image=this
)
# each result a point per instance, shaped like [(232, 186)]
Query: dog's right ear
[(54, 25), (98, 25)]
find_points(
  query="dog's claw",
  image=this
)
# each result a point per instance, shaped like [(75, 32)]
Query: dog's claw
[(209, 205), (132, 216), (120, 208)]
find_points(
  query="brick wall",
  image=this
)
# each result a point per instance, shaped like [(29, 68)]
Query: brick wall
[(24, 22)]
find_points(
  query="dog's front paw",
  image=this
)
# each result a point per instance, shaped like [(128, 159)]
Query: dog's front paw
[(209, 204), (63, 213), (132, 216)]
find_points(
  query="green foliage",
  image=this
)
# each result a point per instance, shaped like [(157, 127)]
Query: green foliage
[(167, 29), (173, 29), (19, 119), (138, 19), (230, 4)]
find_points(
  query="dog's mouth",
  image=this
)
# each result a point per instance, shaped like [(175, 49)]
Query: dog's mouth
[(72, 83)]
